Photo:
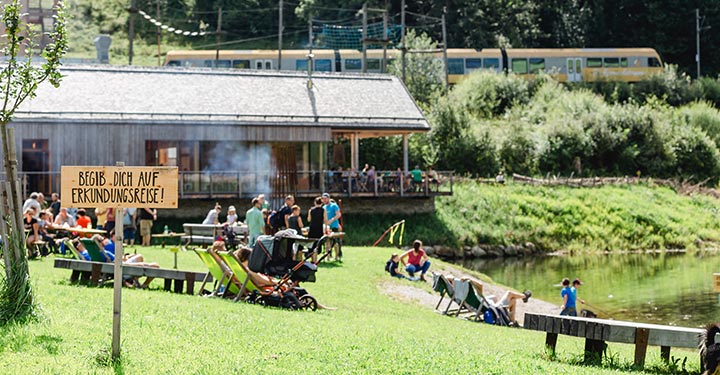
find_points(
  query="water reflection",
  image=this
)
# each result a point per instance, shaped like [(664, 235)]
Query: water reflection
[(670, 288)]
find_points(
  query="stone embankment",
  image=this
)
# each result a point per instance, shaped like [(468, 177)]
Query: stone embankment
[(482, 251)]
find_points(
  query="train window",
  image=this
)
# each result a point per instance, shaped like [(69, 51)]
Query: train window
[(519, 66), (223, 64), (301, 64), (268, 65), (623, 62), (537, 65), (491, 63), (594, 62), (456, 66), (323, 65), (258, 65), (174, 63), (473, 63), (611, 62), (353, 64), (241, 64), (653, 62), (373, 64)]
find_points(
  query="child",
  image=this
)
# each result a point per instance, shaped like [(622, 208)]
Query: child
[(392, 267), (295, 221)]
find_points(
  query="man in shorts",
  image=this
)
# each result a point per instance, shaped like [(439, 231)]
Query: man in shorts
[(333, 215), (147, 217)]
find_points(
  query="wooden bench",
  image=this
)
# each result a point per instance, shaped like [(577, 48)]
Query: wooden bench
[(200, 234), (93, 271), (597, 331)]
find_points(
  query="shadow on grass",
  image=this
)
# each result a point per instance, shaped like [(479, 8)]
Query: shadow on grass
[(612, 361), (104, 358), (49, 343)]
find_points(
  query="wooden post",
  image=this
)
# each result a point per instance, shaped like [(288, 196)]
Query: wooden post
[(445, 57), (665, 353), (364, 37), (641, 343), (594, 350), (551, 341), (117, 282), (403, 51)]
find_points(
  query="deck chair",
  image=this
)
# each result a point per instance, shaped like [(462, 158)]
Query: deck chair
[(220, 274), (72, 250), (443, 286), (96, 253), (241, 272), (234, 285), (468, 298)]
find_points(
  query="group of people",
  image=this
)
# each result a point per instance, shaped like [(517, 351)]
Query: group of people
[(388, 181), (42, 217), (321, 219), (414, 261)]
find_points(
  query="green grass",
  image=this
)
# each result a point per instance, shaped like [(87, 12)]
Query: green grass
[(370, 333), (632, 217)]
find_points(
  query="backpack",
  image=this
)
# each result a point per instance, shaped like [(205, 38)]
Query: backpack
[(276, 219), (387, 265)]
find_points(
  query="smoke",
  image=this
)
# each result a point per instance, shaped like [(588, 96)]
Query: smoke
[(253, 161)]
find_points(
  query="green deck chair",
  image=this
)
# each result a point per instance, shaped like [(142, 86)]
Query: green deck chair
[(443, 286), (221, 275), (468, 298), (72, 250), (240, 272), (96, 254)]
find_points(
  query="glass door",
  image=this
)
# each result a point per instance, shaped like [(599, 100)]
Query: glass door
[(574, 69)]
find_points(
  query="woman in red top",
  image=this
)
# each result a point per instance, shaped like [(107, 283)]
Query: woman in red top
[(417, 260)]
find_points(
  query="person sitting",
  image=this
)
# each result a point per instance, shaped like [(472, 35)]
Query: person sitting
[(43, 225), (417, 260), (81, 249), (509, 301), (64, 219), (392, 267), (137, 260), (231, 216), (213, 216), (32, 229)]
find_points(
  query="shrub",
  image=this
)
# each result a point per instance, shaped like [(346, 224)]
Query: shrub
[(703, 116), (697, 157), (517, 152), (671, 86), (485, 94)]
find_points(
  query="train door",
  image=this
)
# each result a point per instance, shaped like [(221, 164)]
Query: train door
[(574, 69), (263, 64)]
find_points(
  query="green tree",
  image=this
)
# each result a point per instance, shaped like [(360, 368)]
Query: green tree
[(424, 74), (19, 81)]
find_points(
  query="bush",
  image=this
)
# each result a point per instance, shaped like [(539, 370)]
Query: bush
[(517, 152), (697, 157), (672, 87), (486, 94), (703, 116)]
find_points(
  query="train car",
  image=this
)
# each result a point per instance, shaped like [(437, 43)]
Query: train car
[(565, 64), (462, 62), (585, 64), (323, 59)]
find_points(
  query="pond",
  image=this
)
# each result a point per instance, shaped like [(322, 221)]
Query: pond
[(670, 288)]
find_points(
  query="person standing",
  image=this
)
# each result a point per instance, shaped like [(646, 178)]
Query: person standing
[(110, 222), (213, 216), (568, 295), (55, 204), (129, 219), (333, 219), (255, 222), (147, 217), (101, 215), (575, 284), (317, 217)]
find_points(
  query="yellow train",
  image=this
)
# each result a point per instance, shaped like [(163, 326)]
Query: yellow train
[(566, 64)]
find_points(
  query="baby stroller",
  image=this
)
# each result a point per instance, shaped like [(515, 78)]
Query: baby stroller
[(274, 257)]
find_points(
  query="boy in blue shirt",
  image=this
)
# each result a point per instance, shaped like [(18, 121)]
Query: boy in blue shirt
[(568, 295)]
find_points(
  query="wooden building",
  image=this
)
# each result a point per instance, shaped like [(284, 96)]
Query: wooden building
[(252, 130)]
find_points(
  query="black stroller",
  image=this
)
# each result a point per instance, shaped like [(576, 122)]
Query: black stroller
[(274, 256)]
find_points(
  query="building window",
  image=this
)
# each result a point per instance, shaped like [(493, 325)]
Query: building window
[(519, 66), (456, 66)]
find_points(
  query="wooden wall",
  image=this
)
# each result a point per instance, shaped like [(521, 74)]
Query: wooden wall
[(104, 143)]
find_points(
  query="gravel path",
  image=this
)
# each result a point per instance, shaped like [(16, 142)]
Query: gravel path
[(407, 292)]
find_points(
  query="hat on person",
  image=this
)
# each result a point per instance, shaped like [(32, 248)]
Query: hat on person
[(577, 281), (33, 196), (231, 208), (326, 195)]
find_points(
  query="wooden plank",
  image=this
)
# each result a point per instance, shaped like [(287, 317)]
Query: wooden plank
[(128, 270), (641, 343), (594, 351), (574, 328), (582, 328), (96, 186)]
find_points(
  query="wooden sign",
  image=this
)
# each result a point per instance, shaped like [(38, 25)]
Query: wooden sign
[(140, 187)]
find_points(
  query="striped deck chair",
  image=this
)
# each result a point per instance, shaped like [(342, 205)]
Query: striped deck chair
[(241, 272)]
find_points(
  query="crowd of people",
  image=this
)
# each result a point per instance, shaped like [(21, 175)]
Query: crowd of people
[(49, 223), (365, 180), (323, 218)]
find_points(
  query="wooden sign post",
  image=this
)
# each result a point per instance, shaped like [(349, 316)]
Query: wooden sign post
[(118, 187)]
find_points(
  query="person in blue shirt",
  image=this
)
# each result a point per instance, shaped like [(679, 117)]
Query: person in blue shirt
[(333, 218), (568, 295), (575, 284)]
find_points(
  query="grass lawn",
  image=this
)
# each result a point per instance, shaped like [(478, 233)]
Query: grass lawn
[(369, 333)]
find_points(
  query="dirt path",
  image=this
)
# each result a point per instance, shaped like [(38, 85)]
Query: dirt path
[(408, 292)]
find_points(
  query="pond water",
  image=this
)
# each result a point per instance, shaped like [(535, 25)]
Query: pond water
[(670, 288)]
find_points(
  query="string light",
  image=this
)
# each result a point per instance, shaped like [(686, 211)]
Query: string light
[(171, 29)]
